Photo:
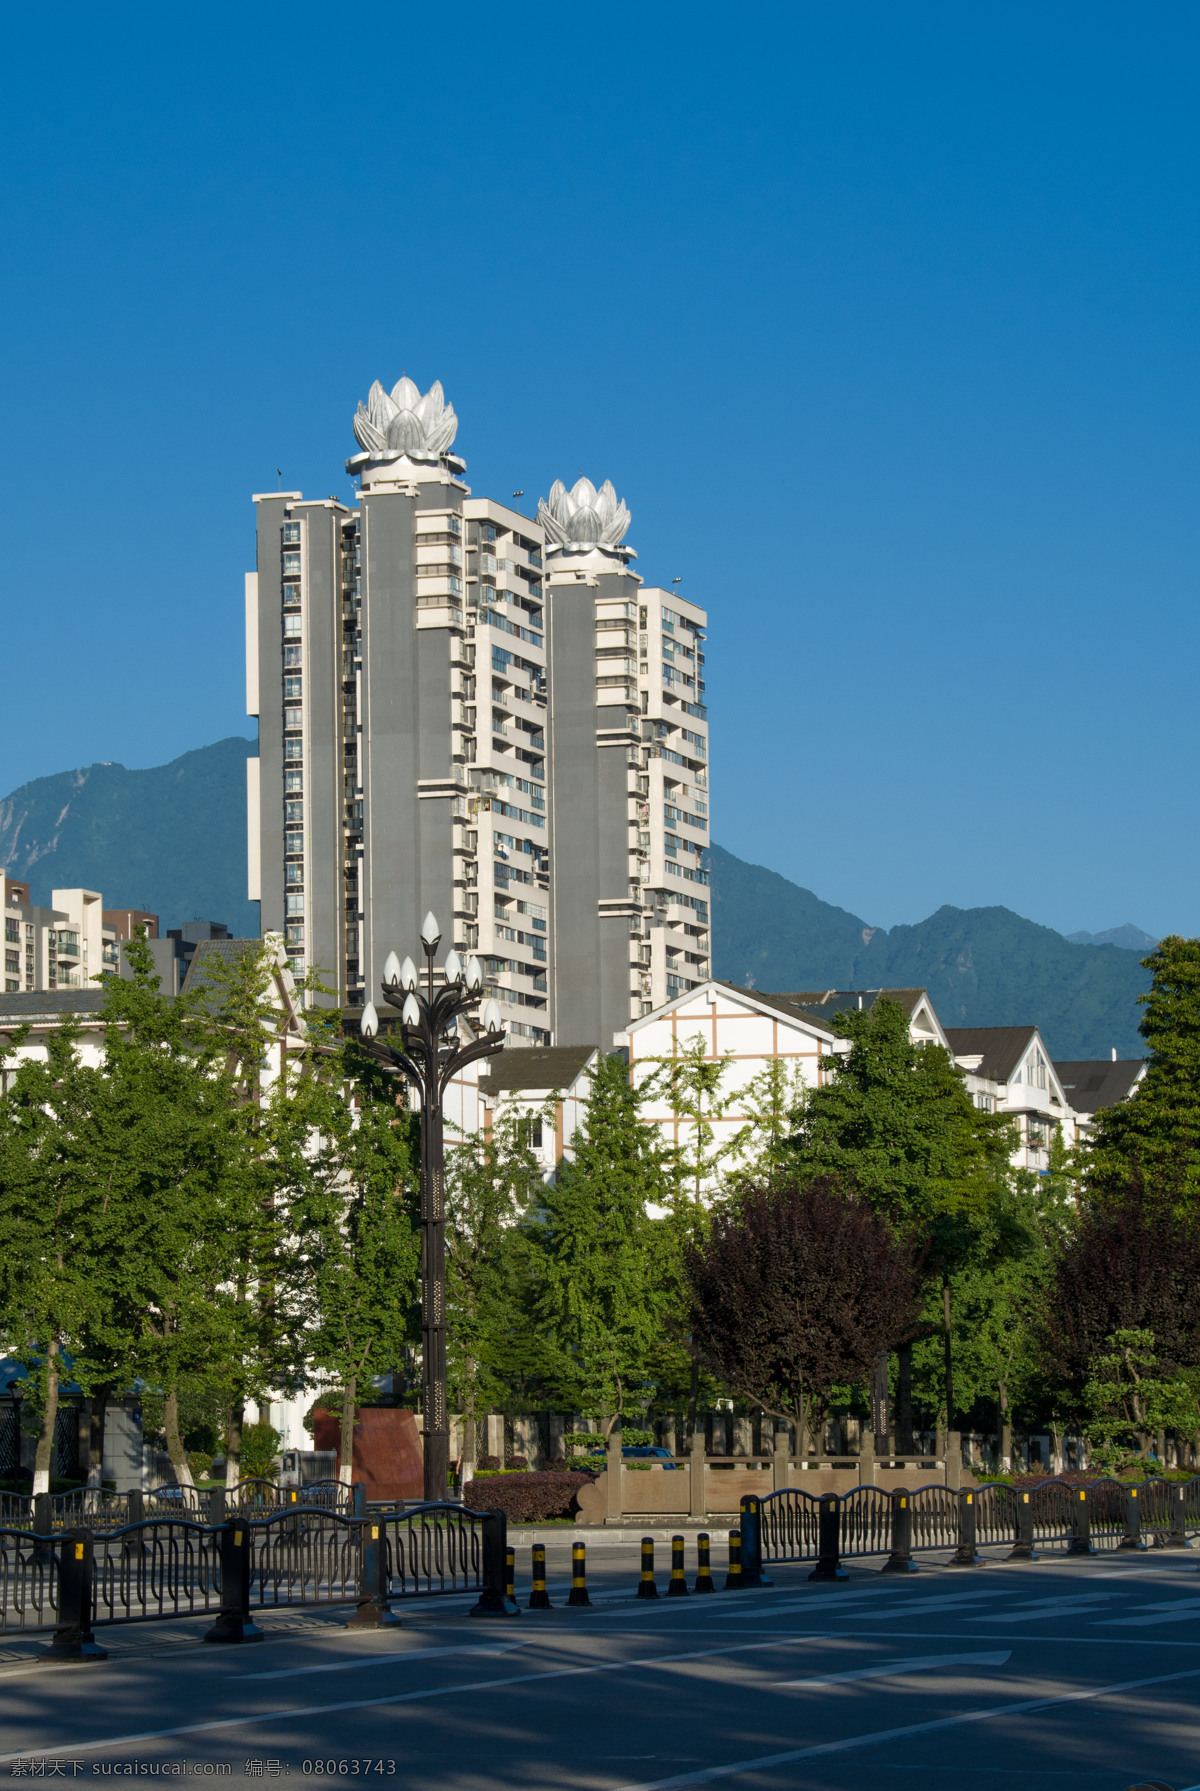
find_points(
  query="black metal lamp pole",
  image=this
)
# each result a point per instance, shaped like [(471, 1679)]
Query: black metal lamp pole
[(430, 1057)]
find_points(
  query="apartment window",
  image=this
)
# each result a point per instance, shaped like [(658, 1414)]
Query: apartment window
[(12, 930), (293, 687), (293, 780), (293, 718), (293, 842), (293, 749), (293, 904), (291, 655), (12, 961), (291, 535), (291, 565), (293, 811), (293, 625), (985, 1103), (293, 873), (294, 933)]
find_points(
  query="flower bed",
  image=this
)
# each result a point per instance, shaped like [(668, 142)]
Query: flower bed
[(526, 1498)]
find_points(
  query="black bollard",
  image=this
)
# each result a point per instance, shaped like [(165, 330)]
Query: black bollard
[(1132, 1538), (704, 1578), (1177, 1536), (646, 1585), (678, 1584), (829, 1541), (900, 1560), (372, 1610), (579, 1593), (493, 1598), (73, 1638), (1023, 1549), (733, 1578), (1081, 1524), (539, 1598), (966, 1554), (751, 1528), (234, 1623)]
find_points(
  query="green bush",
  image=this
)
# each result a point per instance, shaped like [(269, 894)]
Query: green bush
[(261, 1443)]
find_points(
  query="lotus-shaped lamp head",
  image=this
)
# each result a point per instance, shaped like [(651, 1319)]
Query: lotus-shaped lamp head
[(454, 969), (369, 1024), (583, 517), (410, 1013), (474, 975), (402, 422), (491, 1016), (408, 974), (431, 933), (391, 971)]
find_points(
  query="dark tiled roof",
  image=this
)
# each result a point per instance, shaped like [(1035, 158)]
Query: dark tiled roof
[(1000, 1047), (844, 1001), (533, 1066), (47, 1006), (200, 970), (1090, 1085)]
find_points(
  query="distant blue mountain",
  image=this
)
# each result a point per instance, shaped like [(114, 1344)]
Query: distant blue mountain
[(1128, 937), (171, 840)]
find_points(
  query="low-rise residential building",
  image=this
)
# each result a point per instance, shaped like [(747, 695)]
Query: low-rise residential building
[(1092, 1083), (1008, 1070), (58, 947)]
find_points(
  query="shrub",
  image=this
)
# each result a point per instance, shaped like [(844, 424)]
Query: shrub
[(199, 1461), (527, 1498), (489, 1463), (261, 1443), (516, 1463)]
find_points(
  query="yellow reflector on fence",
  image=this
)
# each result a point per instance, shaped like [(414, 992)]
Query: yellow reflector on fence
[(79, 1551)]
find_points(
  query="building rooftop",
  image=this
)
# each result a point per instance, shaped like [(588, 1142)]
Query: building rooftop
[(534, 1066), (1090, 1085), (46, 1007), (999, 1048)]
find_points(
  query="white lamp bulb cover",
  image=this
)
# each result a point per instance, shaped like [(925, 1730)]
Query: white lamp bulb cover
[(369, 1024), (474, 974), (491, 1016), (391, 970), (454, 967), (431, 933), (408, 974), (410, 1013)]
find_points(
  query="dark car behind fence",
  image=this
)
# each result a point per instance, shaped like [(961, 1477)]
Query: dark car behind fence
[(74, 1579)]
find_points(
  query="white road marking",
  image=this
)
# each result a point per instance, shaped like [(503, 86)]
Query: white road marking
[(891, 1669), (765, 1762), (1174, 1610), (1047, 1607), (912, 1607), (399, 1656), (437, 1691)]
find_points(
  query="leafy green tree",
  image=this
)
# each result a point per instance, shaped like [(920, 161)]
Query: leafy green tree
[(1129, 1395), (769, 1102), (493, 1181), (1157, 1132), (895, 1119), (602, 1282), (353, 1258)]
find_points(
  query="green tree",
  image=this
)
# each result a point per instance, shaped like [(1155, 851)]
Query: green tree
[(603, 1275), (769, 1103), (1129, 1396), (895, 1120), (1157, 1132)]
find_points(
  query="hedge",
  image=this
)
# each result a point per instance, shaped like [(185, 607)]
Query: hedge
[(526, 1498)]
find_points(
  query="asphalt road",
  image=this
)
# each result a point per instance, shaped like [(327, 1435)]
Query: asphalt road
[(1055, 1673)]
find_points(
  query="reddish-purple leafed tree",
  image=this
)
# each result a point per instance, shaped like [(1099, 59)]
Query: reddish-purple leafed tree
[(796, 1291)]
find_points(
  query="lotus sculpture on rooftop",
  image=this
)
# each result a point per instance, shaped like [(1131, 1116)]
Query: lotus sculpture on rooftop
[(583, 517), (402, 422)]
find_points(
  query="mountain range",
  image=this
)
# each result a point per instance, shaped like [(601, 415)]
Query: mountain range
[(172, 840)]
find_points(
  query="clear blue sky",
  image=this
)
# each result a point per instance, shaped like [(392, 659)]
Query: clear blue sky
[(882, 319)]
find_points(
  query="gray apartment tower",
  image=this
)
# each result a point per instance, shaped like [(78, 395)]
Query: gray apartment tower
[(464, 710)]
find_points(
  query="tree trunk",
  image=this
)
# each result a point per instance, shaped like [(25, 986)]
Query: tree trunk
[(1005, 1421), (949, 1355), (905, 1442), (233, 1453), (43, 1461), (175, 1448), (346, 1449), (693, 1398), (100, 1399), (469, 1456)]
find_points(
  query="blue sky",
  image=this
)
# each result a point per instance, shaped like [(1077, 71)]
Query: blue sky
[(882, 320)]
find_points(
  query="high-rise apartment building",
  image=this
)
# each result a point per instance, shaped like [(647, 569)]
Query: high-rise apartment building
[(464, 710)]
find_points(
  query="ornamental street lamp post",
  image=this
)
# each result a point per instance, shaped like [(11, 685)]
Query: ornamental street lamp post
[(429, 1058)]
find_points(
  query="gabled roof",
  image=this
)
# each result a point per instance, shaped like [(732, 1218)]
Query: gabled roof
[(1000, 1048), (844, 1001), (47, 1007), (786, 1005), (1090, 1085), (534, 1067), (200, 975), (770, 1004)]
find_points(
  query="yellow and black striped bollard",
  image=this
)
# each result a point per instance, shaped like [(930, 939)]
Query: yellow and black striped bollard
[(579, 1593), (704, 1579), (510, 1581), (539, 1598), (733, 1579), (646, 1585), (678, 1586)]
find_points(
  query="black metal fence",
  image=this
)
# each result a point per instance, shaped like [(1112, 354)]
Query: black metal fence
[(76, 1578), (1079, 1520), (97, 1509)]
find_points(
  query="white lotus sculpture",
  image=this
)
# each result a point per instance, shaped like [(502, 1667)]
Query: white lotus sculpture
[(583, 517), (402, 422)]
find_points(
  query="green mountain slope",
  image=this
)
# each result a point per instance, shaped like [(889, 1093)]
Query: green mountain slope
[(982, 966), (171, 839)]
